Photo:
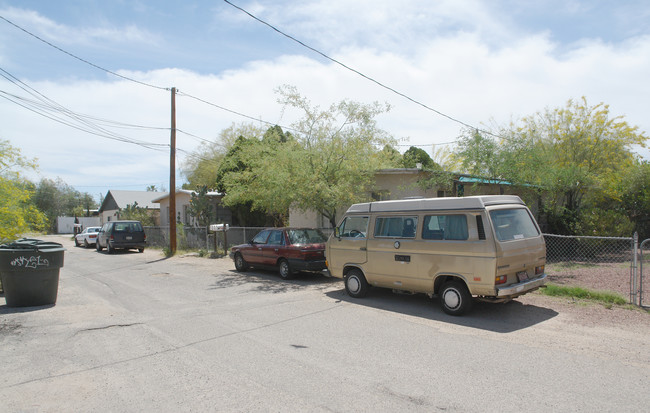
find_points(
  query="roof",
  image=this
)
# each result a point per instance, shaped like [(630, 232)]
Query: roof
[(120, 199), (428, 204), (165, 195), (474, 179)]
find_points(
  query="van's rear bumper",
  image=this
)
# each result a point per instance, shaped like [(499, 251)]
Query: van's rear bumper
[(522, 287)]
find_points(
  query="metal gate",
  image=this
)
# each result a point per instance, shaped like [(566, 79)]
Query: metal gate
[(644, 270)]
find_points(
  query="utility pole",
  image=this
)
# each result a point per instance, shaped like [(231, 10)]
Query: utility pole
[(172, 179)]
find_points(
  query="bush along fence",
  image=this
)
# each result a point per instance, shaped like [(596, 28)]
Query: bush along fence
[(612, 264)]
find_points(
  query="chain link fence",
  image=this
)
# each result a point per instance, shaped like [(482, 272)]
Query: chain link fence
[(596, 263), (644, 273)]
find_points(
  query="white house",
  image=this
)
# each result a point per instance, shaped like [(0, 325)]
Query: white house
[(221, 213)]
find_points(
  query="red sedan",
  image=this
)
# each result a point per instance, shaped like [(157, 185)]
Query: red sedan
[(289, 250)]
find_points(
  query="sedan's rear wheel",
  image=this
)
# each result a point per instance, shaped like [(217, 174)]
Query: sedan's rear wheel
[(285, 270)]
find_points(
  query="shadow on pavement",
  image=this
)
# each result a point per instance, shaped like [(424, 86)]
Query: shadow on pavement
[(5, 309), (499, 318), (270, 281)]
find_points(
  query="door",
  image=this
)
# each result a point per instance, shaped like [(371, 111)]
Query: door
[(271, 251), (253, 252), (350, 247)]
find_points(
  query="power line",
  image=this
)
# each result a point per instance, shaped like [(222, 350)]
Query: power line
[(355, 71), (81, 59), (50, 109), (234, 112), (111, 135)]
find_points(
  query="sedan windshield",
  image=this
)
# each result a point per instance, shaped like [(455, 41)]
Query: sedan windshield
[(306, 236)]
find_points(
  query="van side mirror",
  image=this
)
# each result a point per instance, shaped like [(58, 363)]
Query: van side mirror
[(337, 232)]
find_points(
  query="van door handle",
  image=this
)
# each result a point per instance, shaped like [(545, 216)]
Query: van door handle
[(363, 249)]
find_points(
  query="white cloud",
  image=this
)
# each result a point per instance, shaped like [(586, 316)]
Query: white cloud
[(64, 34)]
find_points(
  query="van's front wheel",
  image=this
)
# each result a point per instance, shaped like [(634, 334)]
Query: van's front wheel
[(455, 299), (356, 284)]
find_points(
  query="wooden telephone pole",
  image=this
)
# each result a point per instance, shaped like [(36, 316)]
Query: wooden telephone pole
[(172, 179)]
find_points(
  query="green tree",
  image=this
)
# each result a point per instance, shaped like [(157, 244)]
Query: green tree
[(414, 156), (137, 213), (252, 173), (636, 198), (201, 206), (55, 198), (18, 214), (478, 155), (204, 165)]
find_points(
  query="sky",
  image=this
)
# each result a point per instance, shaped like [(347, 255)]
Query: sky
[(109, 66)]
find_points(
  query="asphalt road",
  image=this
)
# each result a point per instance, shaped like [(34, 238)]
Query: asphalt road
[(137, 332)]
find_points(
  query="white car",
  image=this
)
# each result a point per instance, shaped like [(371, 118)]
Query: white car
[(87, 237)]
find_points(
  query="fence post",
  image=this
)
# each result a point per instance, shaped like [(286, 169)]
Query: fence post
[(633, 276)]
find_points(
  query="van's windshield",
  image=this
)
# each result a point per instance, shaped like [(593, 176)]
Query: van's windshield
[(513, 224)]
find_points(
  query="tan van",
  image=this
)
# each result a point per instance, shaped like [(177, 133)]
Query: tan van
[(488, 246)]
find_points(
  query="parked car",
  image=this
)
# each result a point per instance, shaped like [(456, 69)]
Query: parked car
[(289, 250), (121, 235), (87, 237)]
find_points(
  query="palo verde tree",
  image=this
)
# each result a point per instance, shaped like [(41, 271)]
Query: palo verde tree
[(18, 214), (573, 155), (327, 162), (335, 155)]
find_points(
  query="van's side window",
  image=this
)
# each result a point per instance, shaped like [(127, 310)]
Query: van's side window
[(445, 227), (354, 227), (401, 227)]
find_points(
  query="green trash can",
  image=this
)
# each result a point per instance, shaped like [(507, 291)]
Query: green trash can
[(29, 270)]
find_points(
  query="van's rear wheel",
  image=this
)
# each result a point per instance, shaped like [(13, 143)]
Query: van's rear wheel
[(455, 299), (356, 284)]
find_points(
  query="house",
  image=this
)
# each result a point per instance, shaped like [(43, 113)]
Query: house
[(114, 201), (222, 214), (401, 183)]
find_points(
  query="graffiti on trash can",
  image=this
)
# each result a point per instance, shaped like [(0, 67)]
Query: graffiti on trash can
[(31, 262)]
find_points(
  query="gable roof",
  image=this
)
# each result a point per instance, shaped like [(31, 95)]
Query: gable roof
[(116, 199)]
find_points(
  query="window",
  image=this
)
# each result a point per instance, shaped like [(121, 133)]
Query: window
[(186, 214), (512, 224), (276, 238), (445, 227), (261, 237), (480, 228), (306, 236), (354, 227), (402, 227)]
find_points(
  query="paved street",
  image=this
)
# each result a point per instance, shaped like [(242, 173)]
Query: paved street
[(137, 332)]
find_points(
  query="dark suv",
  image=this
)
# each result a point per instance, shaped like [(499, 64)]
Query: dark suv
[(121, 235)]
